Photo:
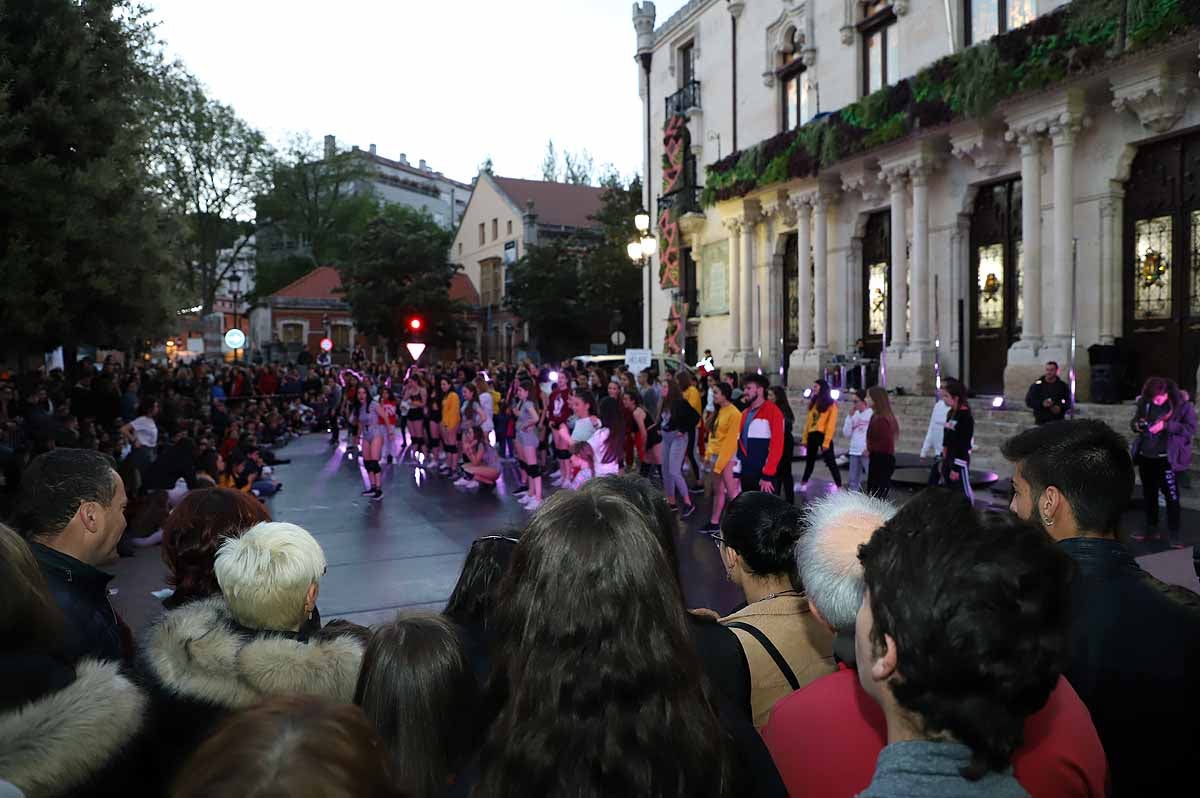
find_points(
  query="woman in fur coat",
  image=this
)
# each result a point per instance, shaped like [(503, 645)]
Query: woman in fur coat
[(210, 658), (64, 729)]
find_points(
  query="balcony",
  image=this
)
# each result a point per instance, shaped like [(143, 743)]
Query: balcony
[(683, 100), (680, 201)]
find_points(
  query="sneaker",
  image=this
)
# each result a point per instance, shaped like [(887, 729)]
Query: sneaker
[(688, 511), (710, 527), (461, 481), (469, 484), (368, 492), (533, 505), (519, 489), (377, 494), (526, 499)]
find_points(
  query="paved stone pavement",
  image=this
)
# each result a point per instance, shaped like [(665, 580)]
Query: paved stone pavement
[(405, 552)]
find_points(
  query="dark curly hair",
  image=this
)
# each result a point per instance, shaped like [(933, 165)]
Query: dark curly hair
[(978, 607), (763, 529), (194, 531), (596, 676)]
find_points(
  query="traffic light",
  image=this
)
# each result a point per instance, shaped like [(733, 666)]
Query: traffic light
[(415, 324)]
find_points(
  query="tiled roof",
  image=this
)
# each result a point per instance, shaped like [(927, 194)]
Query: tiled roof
[(562, 204), (323, 282), (462, 290)]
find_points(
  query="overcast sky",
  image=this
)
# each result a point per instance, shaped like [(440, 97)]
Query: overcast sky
[(450, 82)]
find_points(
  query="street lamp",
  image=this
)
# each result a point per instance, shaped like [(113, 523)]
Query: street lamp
[(640, 252), (234, 280)]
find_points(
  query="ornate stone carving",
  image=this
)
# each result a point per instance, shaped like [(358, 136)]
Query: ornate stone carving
[(1159, 99), (733, 224), (1067, 126), (986, 149), (865, 182), (900, 7), (643, 25)]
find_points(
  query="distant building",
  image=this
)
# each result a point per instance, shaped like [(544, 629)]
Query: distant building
[(504, 217), (299, 315)]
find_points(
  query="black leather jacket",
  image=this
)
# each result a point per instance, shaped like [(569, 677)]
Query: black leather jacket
[(1135, 662)]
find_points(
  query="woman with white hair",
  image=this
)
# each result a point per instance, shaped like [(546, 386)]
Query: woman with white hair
[(209, 658)]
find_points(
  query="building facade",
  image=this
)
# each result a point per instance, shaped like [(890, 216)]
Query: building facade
[(504, 217), (954, 187), (299, 315)]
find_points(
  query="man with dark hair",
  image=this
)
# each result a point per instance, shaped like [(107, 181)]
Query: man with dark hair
[(72, 512), (1049, 398), (1135, 641), (760, 442), (961, 635)]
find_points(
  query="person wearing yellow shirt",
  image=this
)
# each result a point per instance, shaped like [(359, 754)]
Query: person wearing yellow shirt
[(820, 427), (723, 441), (451, 419), (691, 395)]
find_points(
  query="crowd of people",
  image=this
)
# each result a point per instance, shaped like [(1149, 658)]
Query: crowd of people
[(928, 649)]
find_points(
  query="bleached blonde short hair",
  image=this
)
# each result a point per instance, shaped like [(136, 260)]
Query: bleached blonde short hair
[(827, 553), (265, 574)]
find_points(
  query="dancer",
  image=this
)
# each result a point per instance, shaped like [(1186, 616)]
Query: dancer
[(451, 418), (371, 421), (723, 445), (956, 440), (1155, 414), (528, 417), (678, 417), (389, 408), (820, 429), (787, 482), (883, 431), (482, 466), (433, 421), (414, 393)]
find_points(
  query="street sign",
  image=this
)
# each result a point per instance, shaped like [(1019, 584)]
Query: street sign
[(415, 350), (638, 359), (235, 338), (618, 338), (326, 344)]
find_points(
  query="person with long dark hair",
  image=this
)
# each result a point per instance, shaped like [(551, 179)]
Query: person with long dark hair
[(722, 447), (957, 438), (820, 430), (608, 442), (677, 418), (372, 426), (1157, 408), (596, 675), (416, 687), (787, 482), (528, 415), (691, 393), (882, 433)]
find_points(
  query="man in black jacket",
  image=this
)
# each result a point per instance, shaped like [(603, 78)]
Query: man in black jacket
[(72, 512), (1135, 641), (1049, 398)]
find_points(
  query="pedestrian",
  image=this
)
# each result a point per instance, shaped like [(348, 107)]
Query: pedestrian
[(451, 418), (760, 440), (371, 421), (1155, 410), (1049, 398), (723, 445), (855, 429), (677, 417), (787, 482), (882, 434), (932, 445), (689, 391), (528, 417), (1182, 429), (819, 430), (957, 439)]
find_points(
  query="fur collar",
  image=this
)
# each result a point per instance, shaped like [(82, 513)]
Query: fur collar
[(55, 744), (195, 652)]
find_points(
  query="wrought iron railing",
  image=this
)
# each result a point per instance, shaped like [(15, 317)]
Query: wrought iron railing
[(680, 201), (683, 100)]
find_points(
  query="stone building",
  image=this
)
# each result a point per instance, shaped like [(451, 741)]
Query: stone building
[(300, 314), (504, 217), (980, 185)]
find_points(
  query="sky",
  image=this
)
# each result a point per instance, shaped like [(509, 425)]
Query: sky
[(449, 81)]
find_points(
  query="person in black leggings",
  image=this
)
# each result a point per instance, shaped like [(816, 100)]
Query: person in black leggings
[(787, 481), (956, 440)]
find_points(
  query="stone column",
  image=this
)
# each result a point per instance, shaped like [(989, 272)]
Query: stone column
[(1063, 133), (1031, 236), (803, 206), (734, 226), (821, 275), (749, 263), (1110, 265), (899, 278), (920, 261)]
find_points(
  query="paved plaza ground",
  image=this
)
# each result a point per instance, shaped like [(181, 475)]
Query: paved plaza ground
[(405, 551)]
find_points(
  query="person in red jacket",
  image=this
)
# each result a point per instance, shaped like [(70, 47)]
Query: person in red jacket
[(760, 443), (825, 738)]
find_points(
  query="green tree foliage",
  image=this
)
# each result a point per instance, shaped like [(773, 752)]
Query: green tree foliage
[(209, 166), (82, 258), (611, 284), (544, 290), (399, 268), (324, 202)]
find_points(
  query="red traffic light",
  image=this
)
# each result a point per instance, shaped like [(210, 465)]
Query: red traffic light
[(415, 323)]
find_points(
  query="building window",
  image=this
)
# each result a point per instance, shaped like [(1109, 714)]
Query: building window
[(983, 19), (340, 334), (793, 82), (292, 332), (1152, 269), (881, 63), (495, 229), (687, 64), (509, 227), (482, 237)]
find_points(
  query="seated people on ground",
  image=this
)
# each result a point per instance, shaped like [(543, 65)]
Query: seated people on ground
[(1135, 641), (961, 635), (66, 728), (417, 688), (292, 745), (1061, 756), (211, 657), (785, 645)]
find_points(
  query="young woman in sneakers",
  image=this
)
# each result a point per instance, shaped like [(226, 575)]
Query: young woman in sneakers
[(482, 464), (372, 426), (528, 418)]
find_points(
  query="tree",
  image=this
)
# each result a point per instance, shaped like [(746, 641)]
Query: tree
[(209, 166), (611, 287), (550, 163), (397, 269), (544, 290), (317, 198), (82, 256), (578, 168)]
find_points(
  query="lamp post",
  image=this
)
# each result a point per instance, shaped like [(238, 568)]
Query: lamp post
[(235, 279), (640, 252)]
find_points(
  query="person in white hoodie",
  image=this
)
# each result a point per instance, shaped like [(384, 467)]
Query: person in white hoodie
[(855, 429), (932, 447)]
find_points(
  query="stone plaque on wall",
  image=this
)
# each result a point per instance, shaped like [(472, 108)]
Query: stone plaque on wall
[(714, 278)]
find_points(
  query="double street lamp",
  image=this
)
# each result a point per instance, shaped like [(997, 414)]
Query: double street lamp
[(640, 252)]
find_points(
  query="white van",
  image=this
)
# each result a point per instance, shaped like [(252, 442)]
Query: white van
[(662, 363)]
